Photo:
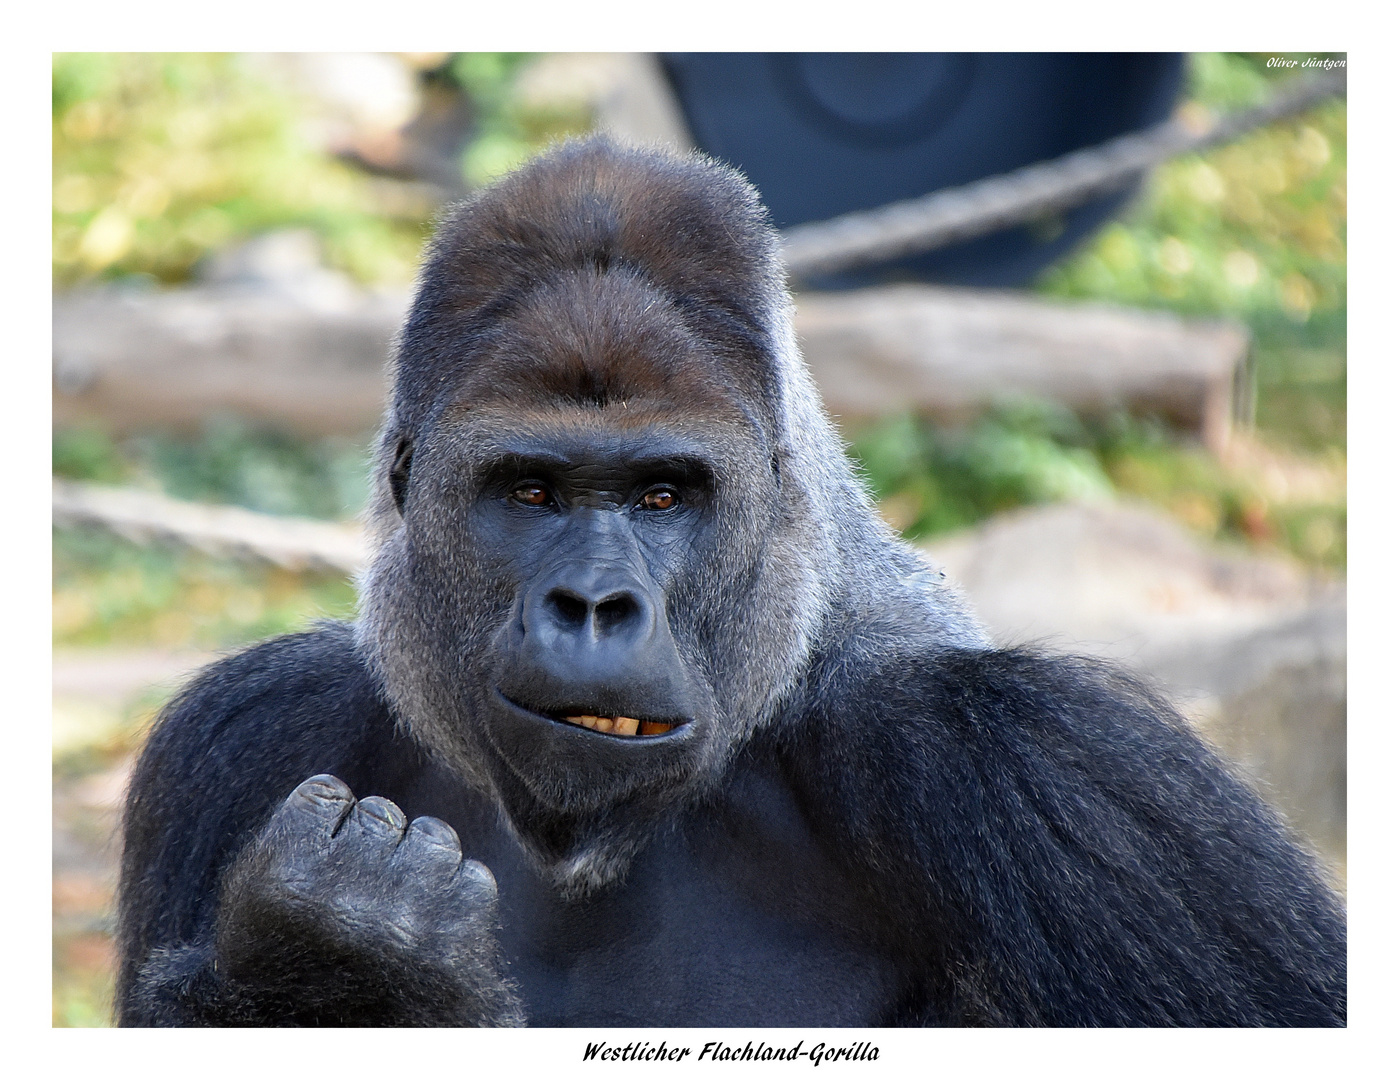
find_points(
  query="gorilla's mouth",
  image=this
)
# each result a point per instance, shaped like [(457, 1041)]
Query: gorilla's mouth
[(626, 727)]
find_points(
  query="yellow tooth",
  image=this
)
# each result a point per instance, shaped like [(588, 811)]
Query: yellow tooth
[(619, 725)]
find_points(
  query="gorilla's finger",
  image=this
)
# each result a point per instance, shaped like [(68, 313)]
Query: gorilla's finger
[(429, 853), (314, 811), (373, 829), (474, 881), (433, 833)]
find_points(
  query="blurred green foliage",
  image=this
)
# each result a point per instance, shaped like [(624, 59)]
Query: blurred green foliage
[(228, 461), (508, 131), (88, 454), (1254, 503), (160, 158), (1254, 230), (109, 591), (82, 995), (930, 480)]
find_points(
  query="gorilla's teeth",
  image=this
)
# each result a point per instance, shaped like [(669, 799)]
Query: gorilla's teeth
[(619, 725)]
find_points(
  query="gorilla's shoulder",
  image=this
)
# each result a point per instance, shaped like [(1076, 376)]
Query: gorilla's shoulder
[(989, 728), (280, 707), (990, 772), (920, 691)]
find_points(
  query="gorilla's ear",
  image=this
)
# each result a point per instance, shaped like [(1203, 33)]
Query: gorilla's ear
[(398, 472)]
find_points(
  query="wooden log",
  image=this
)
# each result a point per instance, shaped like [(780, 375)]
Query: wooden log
[(952, 352), (224, 531), (127, 361)]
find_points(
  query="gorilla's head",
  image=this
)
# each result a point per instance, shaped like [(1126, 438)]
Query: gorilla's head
[(613, 520)]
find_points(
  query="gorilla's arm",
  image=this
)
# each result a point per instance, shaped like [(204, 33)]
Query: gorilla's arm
[(1068, 851), (240, 904)]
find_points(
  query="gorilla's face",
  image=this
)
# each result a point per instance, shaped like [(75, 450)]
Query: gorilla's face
[(582, 608)]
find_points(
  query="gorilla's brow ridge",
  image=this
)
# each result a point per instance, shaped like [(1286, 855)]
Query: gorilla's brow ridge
[(540, 460)]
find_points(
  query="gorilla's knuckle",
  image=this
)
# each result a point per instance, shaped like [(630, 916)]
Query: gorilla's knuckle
[(324, 790), (378, 814), (313, 810), (476, 878), (433, 834)]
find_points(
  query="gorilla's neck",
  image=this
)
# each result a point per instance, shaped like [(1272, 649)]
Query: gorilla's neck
[(580, 855), (862, 566)]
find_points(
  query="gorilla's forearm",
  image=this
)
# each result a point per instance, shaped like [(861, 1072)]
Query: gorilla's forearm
[(180, 988), (1071, 851), (189, 987)]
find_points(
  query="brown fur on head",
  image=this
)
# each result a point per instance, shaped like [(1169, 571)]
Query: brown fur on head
[(679, 230)]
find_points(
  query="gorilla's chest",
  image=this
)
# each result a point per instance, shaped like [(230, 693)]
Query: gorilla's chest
[(737, 917), (704, 959)]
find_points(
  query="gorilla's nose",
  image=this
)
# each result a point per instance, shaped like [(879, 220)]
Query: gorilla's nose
[(595, 612)]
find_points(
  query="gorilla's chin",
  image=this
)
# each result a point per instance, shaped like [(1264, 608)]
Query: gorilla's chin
[(584, 801)]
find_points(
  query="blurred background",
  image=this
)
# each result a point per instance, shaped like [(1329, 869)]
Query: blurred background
[(1118, 420)]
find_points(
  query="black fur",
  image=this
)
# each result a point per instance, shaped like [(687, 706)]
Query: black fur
[(863, 815)]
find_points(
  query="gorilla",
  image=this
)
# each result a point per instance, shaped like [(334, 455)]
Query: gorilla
[(647, 719)]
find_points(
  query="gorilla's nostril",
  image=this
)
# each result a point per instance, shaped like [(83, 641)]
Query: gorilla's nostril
[(616, 611), (571, 611), (568, 609)]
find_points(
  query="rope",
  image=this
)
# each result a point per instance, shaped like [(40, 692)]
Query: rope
[(915, 226)]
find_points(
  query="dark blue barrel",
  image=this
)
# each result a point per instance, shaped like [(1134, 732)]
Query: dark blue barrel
[(822, 134)]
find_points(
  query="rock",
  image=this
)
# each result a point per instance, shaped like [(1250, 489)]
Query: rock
[(1251, 648)]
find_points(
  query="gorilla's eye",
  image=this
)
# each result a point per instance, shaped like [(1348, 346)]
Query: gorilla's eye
[(531, 495), (662, 498)]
